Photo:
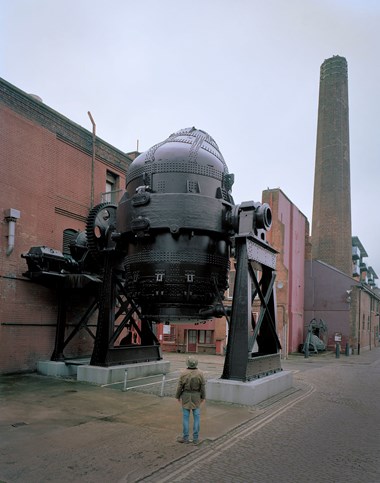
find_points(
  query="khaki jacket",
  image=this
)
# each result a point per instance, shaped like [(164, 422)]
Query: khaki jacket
[(191, 388)]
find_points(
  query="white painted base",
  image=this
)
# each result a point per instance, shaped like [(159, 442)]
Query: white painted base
[(112, 374), (249, 393)]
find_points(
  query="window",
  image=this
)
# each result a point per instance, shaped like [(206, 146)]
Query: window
[(112, 188), (205, 336), (169, 333)]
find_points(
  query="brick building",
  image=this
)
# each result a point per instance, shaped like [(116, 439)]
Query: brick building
[(365, 301), (338, 284), (309, 289), (289, 236), (208, 337), (49, 179), (350, 308)]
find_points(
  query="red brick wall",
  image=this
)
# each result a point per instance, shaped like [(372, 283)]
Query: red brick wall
[(217, 326), (364, 321), (331, 227), (45, 173)]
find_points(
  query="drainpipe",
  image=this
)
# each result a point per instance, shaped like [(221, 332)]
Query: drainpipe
[(93, 156), (360, 316), (285, 328), (11, 216)]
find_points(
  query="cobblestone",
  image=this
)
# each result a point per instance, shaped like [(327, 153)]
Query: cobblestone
[(329, 432), (325, 429)]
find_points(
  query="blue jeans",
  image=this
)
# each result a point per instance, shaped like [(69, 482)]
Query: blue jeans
[(196, 422)]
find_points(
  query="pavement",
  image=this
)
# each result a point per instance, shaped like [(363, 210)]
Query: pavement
[(63, 430)]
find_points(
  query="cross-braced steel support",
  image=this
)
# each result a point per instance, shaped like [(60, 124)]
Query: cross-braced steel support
[(252, 353), (105, 353), (60, 341)]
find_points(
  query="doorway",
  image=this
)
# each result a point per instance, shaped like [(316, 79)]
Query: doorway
[(192, 341)]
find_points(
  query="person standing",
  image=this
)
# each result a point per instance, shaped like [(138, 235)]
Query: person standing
[(191, 392)]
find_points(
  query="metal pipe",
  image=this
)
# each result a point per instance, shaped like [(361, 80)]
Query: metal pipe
[(162, 385), (360, 315), (337, 350), (11, 235), (11, 216), (347, 351), (93, 156), (285, 331)]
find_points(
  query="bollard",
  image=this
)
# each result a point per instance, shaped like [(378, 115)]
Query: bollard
[(162, 385), (306, 349), (337, 350), (347, 352), (125, 380)]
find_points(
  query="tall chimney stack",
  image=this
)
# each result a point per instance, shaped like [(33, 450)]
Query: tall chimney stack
[(331, 223)]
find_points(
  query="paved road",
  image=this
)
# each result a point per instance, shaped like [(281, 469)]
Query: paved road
[(328, 432), (326, 429)]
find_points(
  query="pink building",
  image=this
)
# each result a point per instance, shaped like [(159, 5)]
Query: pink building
[(290, 230)]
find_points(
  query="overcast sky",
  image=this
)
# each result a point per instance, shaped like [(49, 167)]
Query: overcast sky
[(245, 71)]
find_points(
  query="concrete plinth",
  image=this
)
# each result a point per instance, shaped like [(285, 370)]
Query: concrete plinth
[(56, 369), (249, 393), (114, 374)]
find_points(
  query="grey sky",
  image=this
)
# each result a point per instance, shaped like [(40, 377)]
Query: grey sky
[(245, 71)]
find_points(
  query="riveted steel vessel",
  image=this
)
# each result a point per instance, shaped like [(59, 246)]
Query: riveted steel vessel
[(174, 224)]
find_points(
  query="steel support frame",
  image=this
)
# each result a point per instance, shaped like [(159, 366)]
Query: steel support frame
[(60, 342), (105, 353), (242, 363)]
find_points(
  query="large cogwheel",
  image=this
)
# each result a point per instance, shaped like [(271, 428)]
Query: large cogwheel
[(99, 226)]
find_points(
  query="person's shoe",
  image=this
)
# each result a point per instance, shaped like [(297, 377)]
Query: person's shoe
[(182, 440), (196, 441)]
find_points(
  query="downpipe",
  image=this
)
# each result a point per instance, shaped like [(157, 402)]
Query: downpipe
[(11, 216)]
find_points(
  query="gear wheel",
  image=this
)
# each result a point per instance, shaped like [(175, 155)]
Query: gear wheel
[(100, 223)]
